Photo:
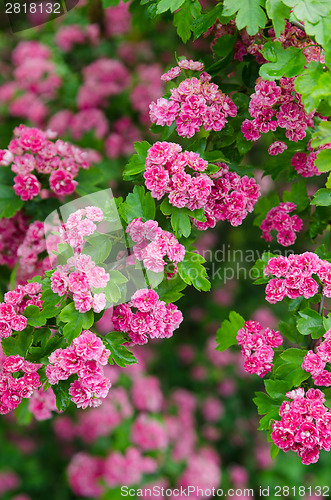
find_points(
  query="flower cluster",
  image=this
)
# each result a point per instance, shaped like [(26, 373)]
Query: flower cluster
[(15, 302), (147, 89), (85, 357), (101, 79), (68, 36), (294, 276), (315, 362), (195, 103), (180, 174), (293, 36), (120, 142), (273, 106), (278, 219), (253, 45), (34, 82), (12, 233), (304, 426), (257, 347), (79, 225), (29, 252), (21, 385), (305, 164), (42, 403), (31, 150), (80, 275), (152, 317), (153, 244), (245, 44), (149, 434)]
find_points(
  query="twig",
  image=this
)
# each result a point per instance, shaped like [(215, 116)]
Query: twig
[(298, 25)]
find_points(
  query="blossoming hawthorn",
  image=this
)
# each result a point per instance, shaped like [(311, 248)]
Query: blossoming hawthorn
[(286, 226), (195, 103), (188, 183), (293, 277), (273, 106), (32, 150), (22, 385), (315, 362), (153, 244), (85, 357), (304, 426), (257, 347), (181, 176), (152, 317), (15, 303)]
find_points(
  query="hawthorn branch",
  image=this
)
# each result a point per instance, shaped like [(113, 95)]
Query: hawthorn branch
[(298, 25)]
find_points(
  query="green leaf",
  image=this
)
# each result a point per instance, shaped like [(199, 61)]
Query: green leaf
[(22, 414), (297, 195), (310, 323), (227, 335), (10, 203), (61, 391), (322, 198), (172, 5), (75, 321), (224, 45), (249, 14), (268, 419), (288, 367), (285, 62), (278, 13), (137, 162), (183, 19), (193, 272), (181, 223), (327, 322), (323, 160), (322, 135), (169, 289), (262, 207), (277, 388), (265, 404), (214, 156), (138, 204), (98, 248), (133, 167), (309, 10), (19, 344), (274, 450), (310, 85), (257, 270), (118, 352), (289, 330), (34, 316), (206, 20)]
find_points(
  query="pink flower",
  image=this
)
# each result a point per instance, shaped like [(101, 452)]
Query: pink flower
[(163, 112), (275, 290), (26, 186), (78, 283), (277, 148), (83, 301), (59, 283), (171, 74), (144, 300), (88, 345), (62, 183), (5, 329)]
